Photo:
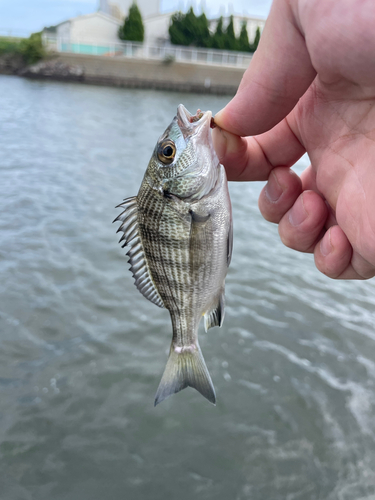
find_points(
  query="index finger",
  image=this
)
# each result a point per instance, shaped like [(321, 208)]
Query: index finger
[(253, 158), (279, 74)]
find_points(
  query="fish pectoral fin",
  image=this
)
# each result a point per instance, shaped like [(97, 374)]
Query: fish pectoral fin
[(198, 218), (137, 259), (185, 368), (215, 316)]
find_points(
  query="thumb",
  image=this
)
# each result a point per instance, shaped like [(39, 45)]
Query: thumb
[(279, 74)]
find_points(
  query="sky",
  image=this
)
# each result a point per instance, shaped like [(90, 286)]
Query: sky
[(22, 17)]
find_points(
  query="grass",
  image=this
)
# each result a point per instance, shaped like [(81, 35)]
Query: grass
[(9, 45)]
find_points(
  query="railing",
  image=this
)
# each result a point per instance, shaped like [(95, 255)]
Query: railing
[(166, 53)]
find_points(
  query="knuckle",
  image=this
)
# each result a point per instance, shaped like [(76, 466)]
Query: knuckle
[(293, 239), (289, 239), (270, 213)]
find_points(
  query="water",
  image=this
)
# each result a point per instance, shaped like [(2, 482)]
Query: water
[(82, 352)]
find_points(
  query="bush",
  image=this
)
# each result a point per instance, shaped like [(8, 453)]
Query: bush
[(169, 59), (133, 29), (30, 49), (9, 45)]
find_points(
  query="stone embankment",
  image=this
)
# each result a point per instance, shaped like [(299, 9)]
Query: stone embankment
[(11, 64), (135, 73), (55, 70)]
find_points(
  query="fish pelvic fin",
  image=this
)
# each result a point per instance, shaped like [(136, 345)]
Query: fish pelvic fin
[(185, 368), (215, 316)]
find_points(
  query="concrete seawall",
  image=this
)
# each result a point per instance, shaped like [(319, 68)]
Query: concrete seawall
[(139, 73)]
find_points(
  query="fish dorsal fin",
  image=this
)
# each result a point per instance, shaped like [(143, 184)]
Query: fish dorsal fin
[(136, 254), (215, 316)]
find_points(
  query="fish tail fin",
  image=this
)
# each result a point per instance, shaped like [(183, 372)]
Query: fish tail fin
[(185, 367)]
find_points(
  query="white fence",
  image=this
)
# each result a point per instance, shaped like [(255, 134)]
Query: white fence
[(166, 53)]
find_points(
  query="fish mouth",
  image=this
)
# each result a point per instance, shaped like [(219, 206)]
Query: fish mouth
[(191, 125)]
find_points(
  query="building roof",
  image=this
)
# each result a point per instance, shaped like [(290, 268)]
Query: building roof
[(107, 17), (239, 16), (158, 16)]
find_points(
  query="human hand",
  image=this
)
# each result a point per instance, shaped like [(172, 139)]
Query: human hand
[(310, 88)]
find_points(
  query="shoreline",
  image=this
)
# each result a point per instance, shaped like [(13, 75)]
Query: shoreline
[(130, 73)]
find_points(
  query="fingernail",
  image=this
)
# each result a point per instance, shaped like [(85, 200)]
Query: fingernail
[(219, 140), (218, 116), (273, 189), (326, 245), (298, 212)]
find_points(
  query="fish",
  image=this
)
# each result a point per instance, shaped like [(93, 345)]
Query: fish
[(179, 234)]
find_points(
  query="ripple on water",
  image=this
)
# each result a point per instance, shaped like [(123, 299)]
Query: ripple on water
[(82, 352)]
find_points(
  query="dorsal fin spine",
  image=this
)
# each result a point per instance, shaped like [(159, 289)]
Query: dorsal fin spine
[(139, 268), (128, 201), (136, 266), (137, 248), (145, 287), (127, 222), (137, 258), (131, 224), (131, 235), (138, 263)]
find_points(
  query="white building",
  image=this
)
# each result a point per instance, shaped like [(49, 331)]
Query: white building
[(156, 29), (97, 27), (157, 24), (102, 27), (120, 8)]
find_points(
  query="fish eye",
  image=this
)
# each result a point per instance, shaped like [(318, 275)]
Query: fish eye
[(167, 152)]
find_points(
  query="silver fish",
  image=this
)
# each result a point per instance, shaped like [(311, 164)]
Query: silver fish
[(179, 233)]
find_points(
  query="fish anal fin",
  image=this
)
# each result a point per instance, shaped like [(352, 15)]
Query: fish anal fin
[(215, 316), (185, 368)]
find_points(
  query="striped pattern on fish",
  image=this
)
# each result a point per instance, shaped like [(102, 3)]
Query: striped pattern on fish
[(180, 244)]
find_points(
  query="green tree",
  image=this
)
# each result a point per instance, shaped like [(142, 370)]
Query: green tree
[(230, 37), (254, 45), (243, 40), (218, 39), (32, 49), (177, 29), (133, 28), (188, 29), (203, 33)]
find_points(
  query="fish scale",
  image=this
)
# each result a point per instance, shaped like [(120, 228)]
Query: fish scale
[(166, 253), (179, 233)]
